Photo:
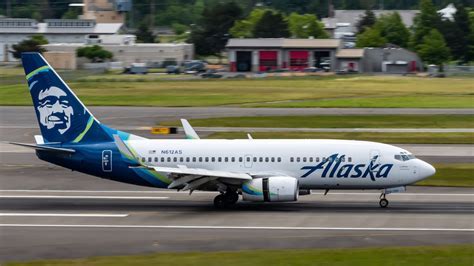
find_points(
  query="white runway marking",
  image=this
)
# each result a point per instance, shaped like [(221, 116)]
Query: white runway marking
[(240, 227), (79, 197), (100, 215), (213, 192)]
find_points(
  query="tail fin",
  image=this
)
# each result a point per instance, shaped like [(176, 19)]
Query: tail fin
[(61, 115)]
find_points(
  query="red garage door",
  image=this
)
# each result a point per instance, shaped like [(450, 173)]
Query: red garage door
[(268, 60), (299, 60)]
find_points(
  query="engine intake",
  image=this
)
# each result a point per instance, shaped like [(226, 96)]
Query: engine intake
[(271, 189)]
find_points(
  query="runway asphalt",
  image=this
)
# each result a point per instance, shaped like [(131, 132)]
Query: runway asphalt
[(50, 212)]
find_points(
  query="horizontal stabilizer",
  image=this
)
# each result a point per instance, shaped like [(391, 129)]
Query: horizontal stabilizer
[(43, 147)]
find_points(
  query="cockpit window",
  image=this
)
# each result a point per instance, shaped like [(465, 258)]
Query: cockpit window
[(403, 156)]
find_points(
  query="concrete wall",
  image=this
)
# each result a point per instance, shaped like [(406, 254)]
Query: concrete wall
[(61, 60)]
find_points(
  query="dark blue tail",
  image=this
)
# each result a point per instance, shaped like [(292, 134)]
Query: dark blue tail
[(61, 115)]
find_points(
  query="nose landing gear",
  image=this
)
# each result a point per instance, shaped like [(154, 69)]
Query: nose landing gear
[(383, 201), (226, 199)]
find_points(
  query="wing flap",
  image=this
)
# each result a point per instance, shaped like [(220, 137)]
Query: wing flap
[(202, 172)]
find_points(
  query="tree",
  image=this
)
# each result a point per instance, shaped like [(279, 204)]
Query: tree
[(460, 46), (366, 21), (244, 28), (33, 44), (433, 49), (424, 22), (305, 26), (144, 34), (391, 27), (210, 35), (95, 53), (271, 25), (371, 37)]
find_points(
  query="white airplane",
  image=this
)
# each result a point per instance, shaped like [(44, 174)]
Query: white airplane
[(261, 170)]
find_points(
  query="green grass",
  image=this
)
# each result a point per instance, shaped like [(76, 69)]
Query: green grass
[(358, 91), (336, 121), (393, 138), (454, 175), (458, 255)]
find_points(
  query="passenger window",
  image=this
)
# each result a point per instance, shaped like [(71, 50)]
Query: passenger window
[(219, 159), (304, 159), (254, 159), (260, 159), (292, 159), (168, 159), (162, 159), (266, 159), (248, 159), (226, 159), (175, 159), (194, 159), (240, 159), (206, 159), (187, 159), (324, 159), (298, 159), (317, 159), (213, 159), (181, 159), (310, 159), (233, 159), (273, 159), (143, 159), (200, 159), (279, 159), (349, 159), (149, 159)]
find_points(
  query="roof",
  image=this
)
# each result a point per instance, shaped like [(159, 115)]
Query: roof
[(283, 43), (353, 16), (350, 53), (42, 28)]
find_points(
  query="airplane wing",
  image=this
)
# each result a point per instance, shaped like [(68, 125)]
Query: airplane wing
[(193, 178), (189, 130)]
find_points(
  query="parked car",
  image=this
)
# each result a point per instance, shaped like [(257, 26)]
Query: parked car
[(313, 69), (136, 68), (194, 66), (211, 74), (173, 69)]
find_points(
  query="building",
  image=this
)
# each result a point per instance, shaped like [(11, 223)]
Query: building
[(106, 11), (15, 30), (391, 60), (263, 54), (279, 53), (126, 51), (350, 60)]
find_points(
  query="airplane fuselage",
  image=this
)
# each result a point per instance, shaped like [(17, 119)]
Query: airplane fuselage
[(317, 164)]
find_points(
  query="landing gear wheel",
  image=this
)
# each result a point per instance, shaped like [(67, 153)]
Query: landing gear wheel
[(231, 197), (220, 201), (383, 203)]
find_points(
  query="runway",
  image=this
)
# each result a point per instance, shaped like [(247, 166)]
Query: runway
[(50, 212), (76, 223)]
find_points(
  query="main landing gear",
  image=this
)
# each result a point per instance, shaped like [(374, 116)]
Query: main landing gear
[(383, 201), (226, 199)]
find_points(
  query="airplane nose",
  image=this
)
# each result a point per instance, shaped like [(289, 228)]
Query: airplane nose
[(425, 170)]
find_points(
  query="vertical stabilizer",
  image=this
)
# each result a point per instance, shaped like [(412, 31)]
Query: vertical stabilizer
[(61, 115)]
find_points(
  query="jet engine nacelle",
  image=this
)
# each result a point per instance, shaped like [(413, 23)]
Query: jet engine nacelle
[(275, 188)]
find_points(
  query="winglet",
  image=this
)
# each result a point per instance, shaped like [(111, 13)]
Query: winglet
[(125, 151), (189, 130)]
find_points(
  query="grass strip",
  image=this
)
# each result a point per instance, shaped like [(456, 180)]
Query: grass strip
[(453, 175), (358, 91), (339, 121), (419, 255), (391, 138)]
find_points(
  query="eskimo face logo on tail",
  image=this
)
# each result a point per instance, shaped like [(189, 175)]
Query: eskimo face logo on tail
[(55, 110), (333, 167)]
